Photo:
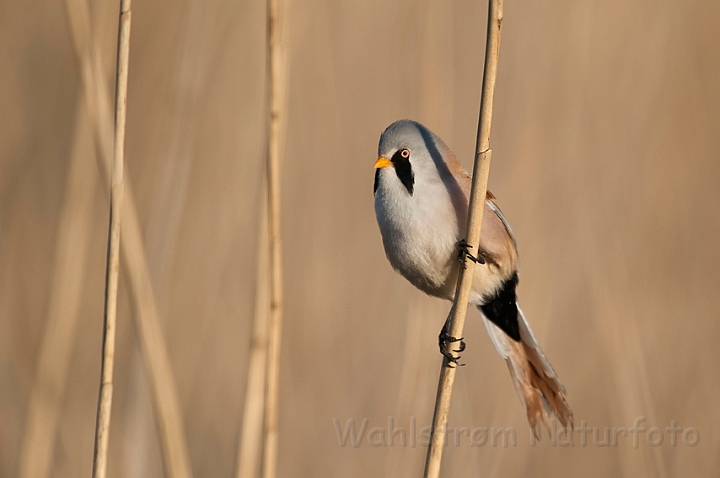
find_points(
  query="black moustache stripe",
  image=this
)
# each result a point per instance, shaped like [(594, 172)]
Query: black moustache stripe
[(404, 171)]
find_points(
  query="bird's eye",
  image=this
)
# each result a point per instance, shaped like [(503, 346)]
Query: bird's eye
[(405, 153)]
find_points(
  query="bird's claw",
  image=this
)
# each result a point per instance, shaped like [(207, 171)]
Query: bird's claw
[(465, 253), (444, 341)]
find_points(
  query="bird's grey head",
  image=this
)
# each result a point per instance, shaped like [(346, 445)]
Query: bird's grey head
[(409, 148)]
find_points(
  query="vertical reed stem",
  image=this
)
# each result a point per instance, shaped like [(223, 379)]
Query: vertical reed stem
[(276, 104), (477, 205), (102, 430)]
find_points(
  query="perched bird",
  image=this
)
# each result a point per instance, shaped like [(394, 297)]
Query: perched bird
[(421, 204)]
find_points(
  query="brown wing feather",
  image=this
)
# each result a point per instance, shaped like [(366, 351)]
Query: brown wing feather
[(496, 242)]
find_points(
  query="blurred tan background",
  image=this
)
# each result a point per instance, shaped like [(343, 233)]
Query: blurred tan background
[(606, 140)]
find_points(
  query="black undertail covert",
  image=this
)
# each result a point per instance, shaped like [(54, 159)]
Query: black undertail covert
[(502, 309)]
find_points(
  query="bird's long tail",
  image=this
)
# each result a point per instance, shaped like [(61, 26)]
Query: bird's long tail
[(535, 380)]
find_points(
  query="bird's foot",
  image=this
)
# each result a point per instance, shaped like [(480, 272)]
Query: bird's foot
[(465, 253), (444, 341)]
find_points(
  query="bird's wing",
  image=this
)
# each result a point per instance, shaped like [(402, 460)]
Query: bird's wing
[(497, 239), (493, 207), (465, 181)]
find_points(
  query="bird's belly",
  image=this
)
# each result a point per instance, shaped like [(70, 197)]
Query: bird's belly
[(421, 249)]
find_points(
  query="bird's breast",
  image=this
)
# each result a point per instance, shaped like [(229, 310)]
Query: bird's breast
[(420, 234)]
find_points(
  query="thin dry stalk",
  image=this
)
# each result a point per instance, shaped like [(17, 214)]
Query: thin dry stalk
[(276, 106), (102, 428), (176, 457), (477, 203), (55, 349), (251, 435)]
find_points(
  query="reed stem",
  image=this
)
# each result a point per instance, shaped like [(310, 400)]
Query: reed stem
[(102, 430), (276, 110), (478, 192)]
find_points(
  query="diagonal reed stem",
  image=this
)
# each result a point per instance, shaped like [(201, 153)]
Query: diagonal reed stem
[(102, 429), (58, 335), (251, 434), (167, 409), (70, 258), (477, 205), (44, 408)]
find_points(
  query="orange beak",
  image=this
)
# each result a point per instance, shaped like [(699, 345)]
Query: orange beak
[(382, 162)]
